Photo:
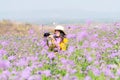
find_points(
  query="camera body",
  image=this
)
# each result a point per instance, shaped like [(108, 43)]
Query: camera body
[(47, 34)]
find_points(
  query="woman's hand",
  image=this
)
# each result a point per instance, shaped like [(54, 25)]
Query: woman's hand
[(54, 41), (51, 36)]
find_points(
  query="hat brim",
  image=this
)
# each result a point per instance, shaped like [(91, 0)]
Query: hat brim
[(61, 31)]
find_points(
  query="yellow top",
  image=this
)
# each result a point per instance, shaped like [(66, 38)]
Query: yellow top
[(63, 45)]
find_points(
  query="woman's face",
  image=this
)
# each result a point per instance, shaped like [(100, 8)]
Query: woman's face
[(57, 32)]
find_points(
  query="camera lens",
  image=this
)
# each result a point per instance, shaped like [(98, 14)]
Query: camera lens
[(46, 34)]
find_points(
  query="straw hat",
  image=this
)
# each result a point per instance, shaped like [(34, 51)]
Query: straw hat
[(59, 27)]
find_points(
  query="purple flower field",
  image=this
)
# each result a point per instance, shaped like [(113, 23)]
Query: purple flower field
[(93, 54)]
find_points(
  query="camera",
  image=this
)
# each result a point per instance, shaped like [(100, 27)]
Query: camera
[(46, 34)]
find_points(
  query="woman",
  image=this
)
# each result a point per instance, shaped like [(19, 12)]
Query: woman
[(59, 40)]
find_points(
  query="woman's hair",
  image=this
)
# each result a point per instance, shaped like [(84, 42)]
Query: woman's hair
[(62, 35)]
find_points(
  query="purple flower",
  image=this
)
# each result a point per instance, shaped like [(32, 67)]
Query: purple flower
[(70, 62), (108, 73), (3, 77), (115, 42), (33, 58), (107, 45), (118, 72), (93, 37), (98, 56), (94, 45), (4, 43), (113, 55), (96, 71), (87, 78), (40, 65), (39, 72), (69, 27), (47, 73), (71, 36), (66, 77), (6, 73), (117, 24), (71, 49), (26, 73), (22, 62), (43, 43), (2, 51), (112, 66), (85, 44), (11, 58), (96, 62), (35, 77), (82, 35), (14, 73), (73, 71), (63, 61), (74, 78), (89, 58), (51, 55), (72, 27), (4, 64), (44, 52), (31, 31)]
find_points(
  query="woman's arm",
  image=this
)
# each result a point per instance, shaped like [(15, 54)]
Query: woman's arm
[(54, 41)]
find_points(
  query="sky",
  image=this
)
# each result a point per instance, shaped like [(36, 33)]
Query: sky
[(40, 10)]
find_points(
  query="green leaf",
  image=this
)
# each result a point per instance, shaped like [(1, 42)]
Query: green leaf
[(90, 73), (80, 75), (101, 77), (1, 71), (5, 57)]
